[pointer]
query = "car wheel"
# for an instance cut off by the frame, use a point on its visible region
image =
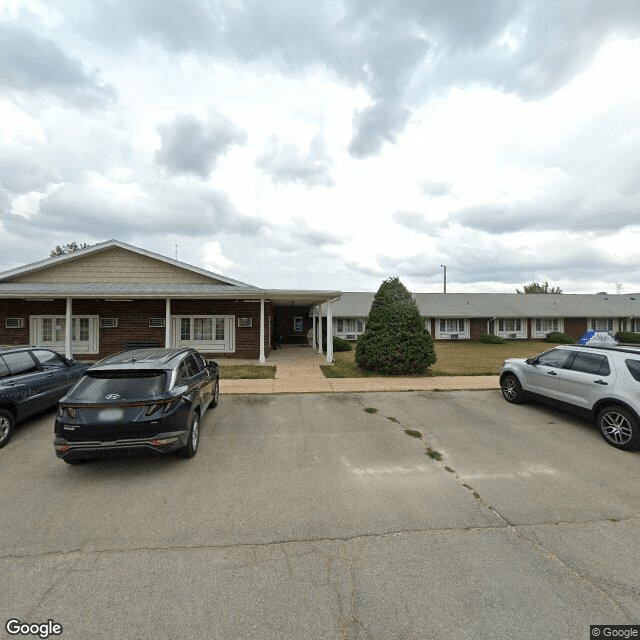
(7, 425)
(190, 449)
(619, 427)
(216, 395)
(512, 389)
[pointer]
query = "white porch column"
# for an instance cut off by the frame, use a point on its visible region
(319, 329)
(67, 330)
(167, 323)
(261, 358)
(313, 344)
(330, 331)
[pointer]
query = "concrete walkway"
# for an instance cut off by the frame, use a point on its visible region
(298, 371)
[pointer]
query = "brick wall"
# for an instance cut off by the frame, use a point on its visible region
(133, 321)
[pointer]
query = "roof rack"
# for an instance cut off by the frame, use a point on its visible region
(614, 347)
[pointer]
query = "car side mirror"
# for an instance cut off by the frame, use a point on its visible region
(531, 360)
(70, 361)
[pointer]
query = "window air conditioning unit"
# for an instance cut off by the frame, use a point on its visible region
(14, 323)
(245, 322)
(108, 323)
(454, 336)
(351, 336)
(156, 322)
(512, 336)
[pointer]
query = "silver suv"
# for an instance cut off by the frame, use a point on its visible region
(601, 383)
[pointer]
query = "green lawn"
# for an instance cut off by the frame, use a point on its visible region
(453, 359)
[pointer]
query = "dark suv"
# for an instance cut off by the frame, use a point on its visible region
(136, 402)
(32, 379)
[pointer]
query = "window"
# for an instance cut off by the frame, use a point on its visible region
(632, 365)
(452, 325)
(207, 333)
(49, 359)
(601, 324)
(297, 324)
(544, 326)
(50, 331)
(556, 358)
(509, 324)
(591, 363)
(350, 327)
(188, 368)
(20, 362)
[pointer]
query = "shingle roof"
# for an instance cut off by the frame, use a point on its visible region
(502, 305)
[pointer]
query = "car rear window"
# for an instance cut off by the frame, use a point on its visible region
(634, 368)
(127, 386)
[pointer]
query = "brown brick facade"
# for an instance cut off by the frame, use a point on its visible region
(133, 321)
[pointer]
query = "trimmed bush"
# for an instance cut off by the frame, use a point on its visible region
(396, 340)
(560, 338)
(628, 337)
(338, 344)
(488, 338)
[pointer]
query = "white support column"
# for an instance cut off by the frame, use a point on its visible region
(330, 331)
(67, 330)
(319, 329)
(313, 344)
(167, 323)
(261, 358)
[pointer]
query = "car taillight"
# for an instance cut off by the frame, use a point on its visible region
(70, 412)
(166, 406)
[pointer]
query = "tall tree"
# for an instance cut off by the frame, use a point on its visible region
(396, 340)
(67, 248)
(536, 287)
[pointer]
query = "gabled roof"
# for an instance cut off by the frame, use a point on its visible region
(47, 263)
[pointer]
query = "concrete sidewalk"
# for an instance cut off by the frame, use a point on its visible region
(298, 371)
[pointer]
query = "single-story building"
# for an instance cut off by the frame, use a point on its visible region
(113, 296)
(466, 316)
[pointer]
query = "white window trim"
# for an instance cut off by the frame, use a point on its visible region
(513, 334)
(86, 346)
(542, 333)
(446, 335)
(609, 321)
(228, 345)
(344, 332)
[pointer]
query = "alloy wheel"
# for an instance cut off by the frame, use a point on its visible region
(616, 427)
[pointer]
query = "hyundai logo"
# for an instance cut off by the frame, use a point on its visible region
(112, 396)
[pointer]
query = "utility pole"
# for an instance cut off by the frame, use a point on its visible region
(444, 266)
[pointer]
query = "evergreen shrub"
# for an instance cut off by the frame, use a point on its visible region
(396, 340)
(338, 344)
(628, 337)
(488, 338)
(560, 338)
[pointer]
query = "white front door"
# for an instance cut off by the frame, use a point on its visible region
(49, 331)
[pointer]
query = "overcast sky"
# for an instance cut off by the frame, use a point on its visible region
(329, 144)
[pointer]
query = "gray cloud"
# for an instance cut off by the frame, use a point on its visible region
(413, 221)
(287, 163)
(401, 52)
(436, 188)
(81, 208)
(37, 65)
(192, 146)
(313, 237)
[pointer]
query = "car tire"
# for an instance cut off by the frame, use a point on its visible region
(7, 425)
(619, 427)
(512, 389)
(193, 439)
(215, 398)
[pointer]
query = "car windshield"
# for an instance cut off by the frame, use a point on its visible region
(121, 385)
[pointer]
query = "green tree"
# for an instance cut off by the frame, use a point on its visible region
(67, 248)
(396, 340)
(536, 287)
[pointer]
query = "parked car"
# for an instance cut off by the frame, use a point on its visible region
(140, 401)
(601, 383)
(32, 379)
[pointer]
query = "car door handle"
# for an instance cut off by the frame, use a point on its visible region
(601, 382)
(552, 373)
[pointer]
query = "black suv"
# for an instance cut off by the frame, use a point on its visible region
(32, 379)
(136, 402)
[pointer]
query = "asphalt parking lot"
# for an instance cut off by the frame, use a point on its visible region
(306, 516)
